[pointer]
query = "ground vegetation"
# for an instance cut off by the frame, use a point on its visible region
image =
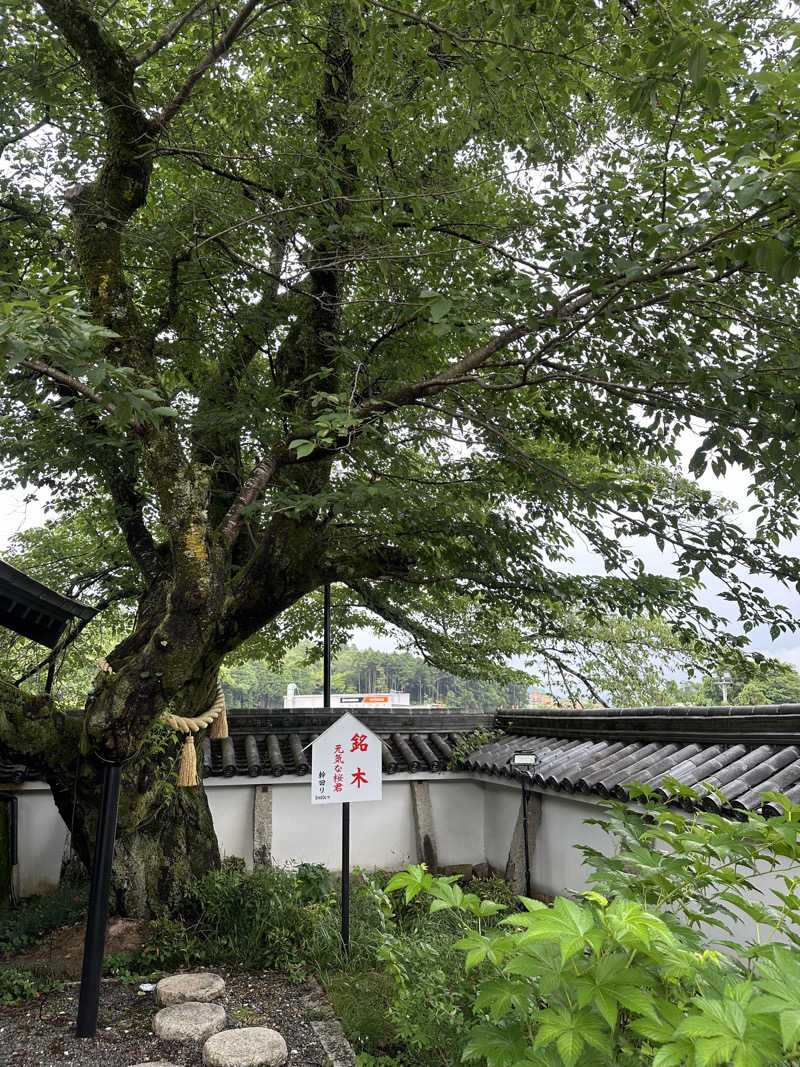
(650, 966)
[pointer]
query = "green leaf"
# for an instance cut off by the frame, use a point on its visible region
(672, 1055)
(302, 447)
(569, 1045)
(790, 1027)
(439, 308)
(698, 60)
(712, 93)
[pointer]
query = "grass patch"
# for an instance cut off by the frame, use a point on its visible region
(36, 916)
(362, 1003)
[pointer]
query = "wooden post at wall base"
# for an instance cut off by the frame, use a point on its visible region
(424, 832)
(525, 840)
(262, 826)
(89, 999)
(515, 867)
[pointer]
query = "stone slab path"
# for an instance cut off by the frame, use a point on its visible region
(41, 1033)
(200, 986)
(252, 1046)
(189, 1021)
(193, 1016)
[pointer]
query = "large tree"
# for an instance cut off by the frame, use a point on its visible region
(401, 297)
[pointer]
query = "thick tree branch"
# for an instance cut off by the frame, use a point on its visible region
(309, 346)
(30, 724)
(462, 371)
(20, 209)
(170, 307)
(425, 637)
(217, 50)
(445, 379)
(260, 477)
(76, 386)
(109, 68)
(199, 158)
(119, 471)
(171, 31)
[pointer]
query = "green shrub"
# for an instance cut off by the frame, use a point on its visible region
(17, 985)
(366, 1059)
(269, 918)
(431, 1006)
(256, 919)
(496, 889)
(362, 1004)
(703, 873)
(629, 976)
(171, 945)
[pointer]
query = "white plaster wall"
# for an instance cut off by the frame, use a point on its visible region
(381, 831)
(557, 865)
(41, 838)
(501, 808)
(473, 820)
(457, 807)
(232, 811)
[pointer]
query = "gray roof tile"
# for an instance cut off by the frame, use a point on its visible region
(276, 743)
(742, 751)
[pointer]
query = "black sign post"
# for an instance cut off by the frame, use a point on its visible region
(326, 689)
(326, 649)
(89, 999)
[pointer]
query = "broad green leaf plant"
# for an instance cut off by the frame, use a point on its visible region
(634, 971)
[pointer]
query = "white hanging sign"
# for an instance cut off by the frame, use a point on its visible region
(346, 763)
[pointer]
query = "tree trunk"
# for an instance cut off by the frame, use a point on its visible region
(165, 834)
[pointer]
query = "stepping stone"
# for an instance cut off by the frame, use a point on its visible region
(190, 1021)
(199, 986)
(251, 1046)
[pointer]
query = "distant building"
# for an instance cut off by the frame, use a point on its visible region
(350, 701)
(538, 699)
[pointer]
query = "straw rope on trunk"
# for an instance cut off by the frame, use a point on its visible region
(216, 717)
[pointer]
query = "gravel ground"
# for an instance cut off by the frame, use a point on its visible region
(41, 1033)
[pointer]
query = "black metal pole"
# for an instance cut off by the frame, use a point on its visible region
(326, 649)
(525, 838)
(94, 943)
(326, 689)
(346, 878)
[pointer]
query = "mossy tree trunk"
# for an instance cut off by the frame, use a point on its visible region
(165, 834)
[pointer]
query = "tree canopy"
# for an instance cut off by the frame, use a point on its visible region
(400, 297)
(771, 683)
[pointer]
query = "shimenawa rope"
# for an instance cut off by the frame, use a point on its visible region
(216, 717)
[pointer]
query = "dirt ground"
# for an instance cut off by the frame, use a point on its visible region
(61, 952)
(41, 1032)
